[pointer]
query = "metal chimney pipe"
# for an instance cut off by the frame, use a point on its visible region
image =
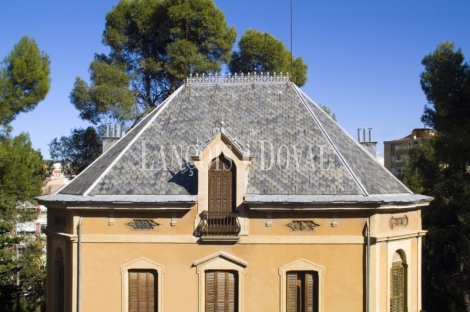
(363, 134)
(108, 126)
(370, 134)
(119, 132)
(359, 134)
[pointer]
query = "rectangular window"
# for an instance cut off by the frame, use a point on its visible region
(142, 291)
(302, 291)
(221, 291)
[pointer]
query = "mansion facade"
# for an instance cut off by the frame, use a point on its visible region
(235, 194)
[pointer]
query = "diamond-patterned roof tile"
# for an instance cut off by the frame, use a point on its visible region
(297, 148)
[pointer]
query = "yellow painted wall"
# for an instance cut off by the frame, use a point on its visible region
(339, 249)
(102, 273)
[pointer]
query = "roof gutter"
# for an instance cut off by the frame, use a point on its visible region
(367, 266)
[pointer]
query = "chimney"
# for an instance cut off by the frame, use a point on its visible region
(368, 145)
(113, 134)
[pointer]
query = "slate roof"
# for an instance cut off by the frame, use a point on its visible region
(312, 154)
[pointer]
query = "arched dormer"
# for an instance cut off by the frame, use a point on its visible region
(221, 160)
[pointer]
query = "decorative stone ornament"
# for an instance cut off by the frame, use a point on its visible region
(140, 224)
(401, 221)
(334, 219)
(111, 218)
(239, 78)
(302, 225)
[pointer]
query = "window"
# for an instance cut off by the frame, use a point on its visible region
(220, 219)
(142, 291)
(398, 284)
(221, 278)
(59, 279)
(142, 281)
(221, 291)
(302, 291)
(301, 287)
(221, 185)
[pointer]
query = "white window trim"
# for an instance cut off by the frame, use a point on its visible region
(403, 259)
(223, 262)
(139, 264)
(300, 265)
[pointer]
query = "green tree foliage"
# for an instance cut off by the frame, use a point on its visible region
(77, 151)
(440, 168)
(154, 45)
(261, 52)
(24, 80)
(21, 178)
(327, 110)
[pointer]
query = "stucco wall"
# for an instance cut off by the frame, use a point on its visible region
(343, 288)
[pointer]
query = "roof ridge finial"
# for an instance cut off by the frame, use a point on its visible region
(222, 124)
(249, 77)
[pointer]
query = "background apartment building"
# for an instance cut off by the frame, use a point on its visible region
(396, 151)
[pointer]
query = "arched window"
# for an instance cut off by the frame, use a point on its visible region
(221, 217)
(398, 284)
(59, 281)
(222, 185)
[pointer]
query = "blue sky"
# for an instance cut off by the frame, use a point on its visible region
(364, 56)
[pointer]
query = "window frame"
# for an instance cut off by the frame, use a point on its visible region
(301, 280)
(215, 172)
(220, 262)
(226, 292)
(301, 265)
(148, 294)
(141, 264)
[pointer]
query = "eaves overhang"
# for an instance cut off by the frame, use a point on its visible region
(335, 202)
(123, 202)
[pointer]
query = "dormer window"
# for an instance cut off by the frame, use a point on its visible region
(221, 218)
(222, 184)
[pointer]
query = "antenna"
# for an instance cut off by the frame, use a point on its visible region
(186, 52)
(291, 47)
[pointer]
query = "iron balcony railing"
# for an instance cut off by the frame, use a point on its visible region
(216, 223)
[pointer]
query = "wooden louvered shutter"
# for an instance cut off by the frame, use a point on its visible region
(142, 291)
(220, 291)
(302, 291)
(309, 292)
(292, 292)
(221, 191)
(210, 292)
(397, 289)
(230, 292)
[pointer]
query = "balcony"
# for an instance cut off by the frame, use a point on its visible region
(218, 226)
